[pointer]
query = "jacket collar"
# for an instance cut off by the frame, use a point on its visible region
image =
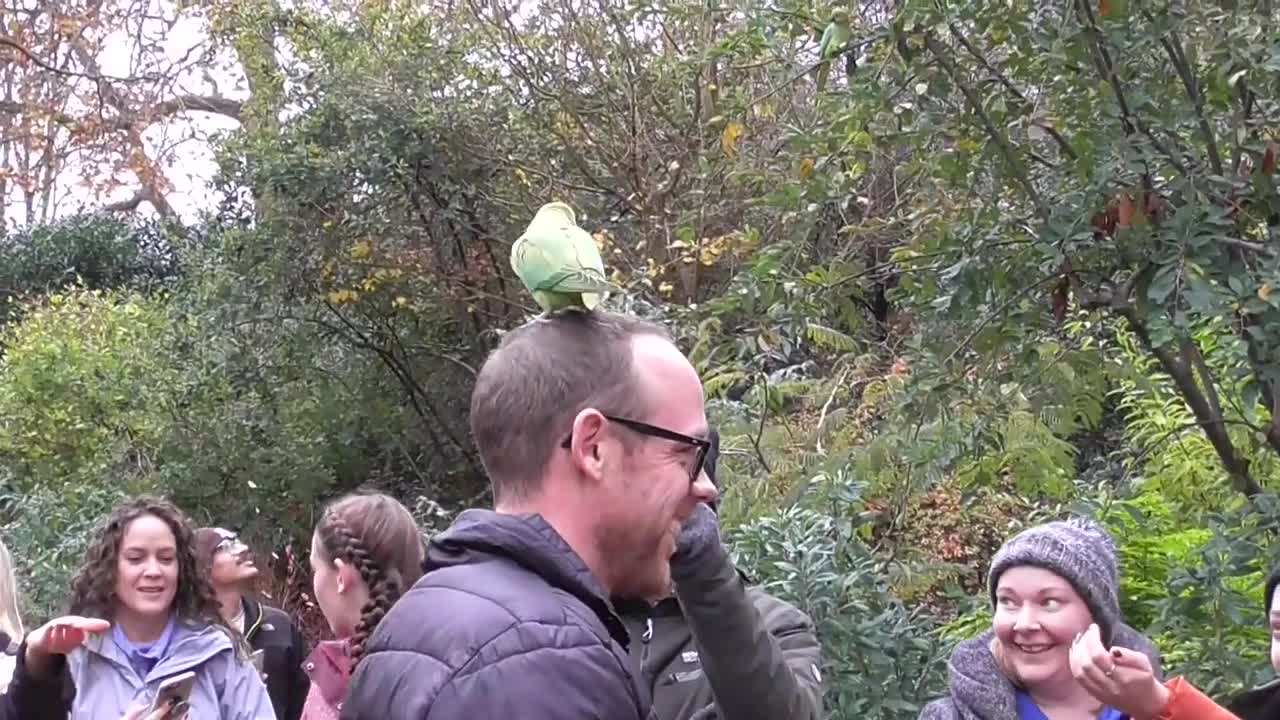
(329, 668)
(529, 541)
(252, 616)
(191, 646)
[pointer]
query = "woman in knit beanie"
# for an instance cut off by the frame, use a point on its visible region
(1047, 585)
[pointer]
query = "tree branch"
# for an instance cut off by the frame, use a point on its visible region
(1173, 48)
(1131, 122)
(128, 205)
(1063, 144)
(1237, 467)
(94, 76)
(1015, 164)
(199, 103)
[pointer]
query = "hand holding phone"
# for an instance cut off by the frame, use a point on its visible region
(168, 710)
(173, 691)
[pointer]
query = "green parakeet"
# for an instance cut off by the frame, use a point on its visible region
(834, 38)
(559, 262)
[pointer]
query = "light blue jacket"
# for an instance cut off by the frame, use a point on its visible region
(227, 687)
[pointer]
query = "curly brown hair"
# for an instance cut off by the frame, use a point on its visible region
(379, 538)
(93, 589)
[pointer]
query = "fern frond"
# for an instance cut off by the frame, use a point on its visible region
(830, 338)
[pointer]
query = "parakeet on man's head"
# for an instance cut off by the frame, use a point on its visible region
(559, 262)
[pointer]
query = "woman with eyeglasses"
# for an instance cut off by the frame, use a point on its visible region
(229, 565)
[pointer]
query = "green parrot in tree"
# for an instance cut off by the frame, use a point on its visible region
(559, 262)
(834, 38)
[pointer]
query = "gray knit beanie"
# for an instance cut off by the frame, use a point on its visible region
(1079, 551)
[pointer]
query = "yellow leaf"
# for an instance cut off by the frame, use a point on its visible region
(1264, 292)
(806, 168)
(729, 137)
(361, 250)
(666, 288)
(401, 301)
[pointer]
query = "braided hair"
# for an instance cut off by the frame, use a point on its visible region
(378, 537)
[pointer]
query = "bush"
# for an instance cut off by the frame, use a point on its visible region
(882, 660)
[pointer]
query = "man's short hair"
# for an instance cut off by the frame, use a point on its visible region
(537, 381)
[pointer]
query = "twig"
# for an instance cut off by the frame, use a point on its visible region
(822, 416)
(96, 77)
(1246, 245)
(964, 42)
(1131, 122)
(1173, 48)
(764, 413)
(1011, 159)
(849, 47)
(991, 316)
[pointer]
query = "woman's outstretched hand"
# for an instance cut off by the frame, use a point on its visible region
(1119, 677)
(59, 636)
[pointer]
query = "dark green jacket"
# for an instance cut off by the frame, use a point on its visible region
(725, 651)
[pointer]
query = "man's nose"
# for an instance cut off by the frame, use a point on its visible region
(704, 490)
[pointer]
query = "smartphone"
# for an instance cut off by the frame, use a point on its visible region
(177, 687)
(256, 659)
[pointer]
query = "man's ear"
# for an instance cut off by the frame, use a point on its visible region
(587, 445)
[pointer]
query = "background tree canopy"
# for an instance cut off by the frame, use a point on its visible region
(1017, 260)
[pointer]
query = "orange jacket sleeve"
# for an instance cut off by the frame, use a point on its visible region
(1188, 703)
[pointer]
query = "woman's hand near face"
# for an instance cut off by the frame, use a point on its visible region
(1119, 677)
(59, 636)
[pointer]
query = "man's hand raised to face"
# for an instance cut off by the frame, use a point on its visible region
(702, 528)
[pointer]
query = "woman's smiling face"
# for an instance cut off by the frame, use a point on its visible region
(1037, 617)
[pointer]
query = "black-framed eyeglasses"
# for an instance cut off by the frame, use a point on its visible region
(654, 431)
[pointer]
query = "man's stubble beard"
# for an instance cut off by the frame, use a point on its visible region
(632, 563)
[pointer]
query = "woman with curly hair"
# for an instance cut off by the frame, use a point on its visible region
(140, 574)
(365, 553)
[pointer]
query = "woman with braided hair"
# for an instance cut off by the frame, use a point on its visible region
(365, 553)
